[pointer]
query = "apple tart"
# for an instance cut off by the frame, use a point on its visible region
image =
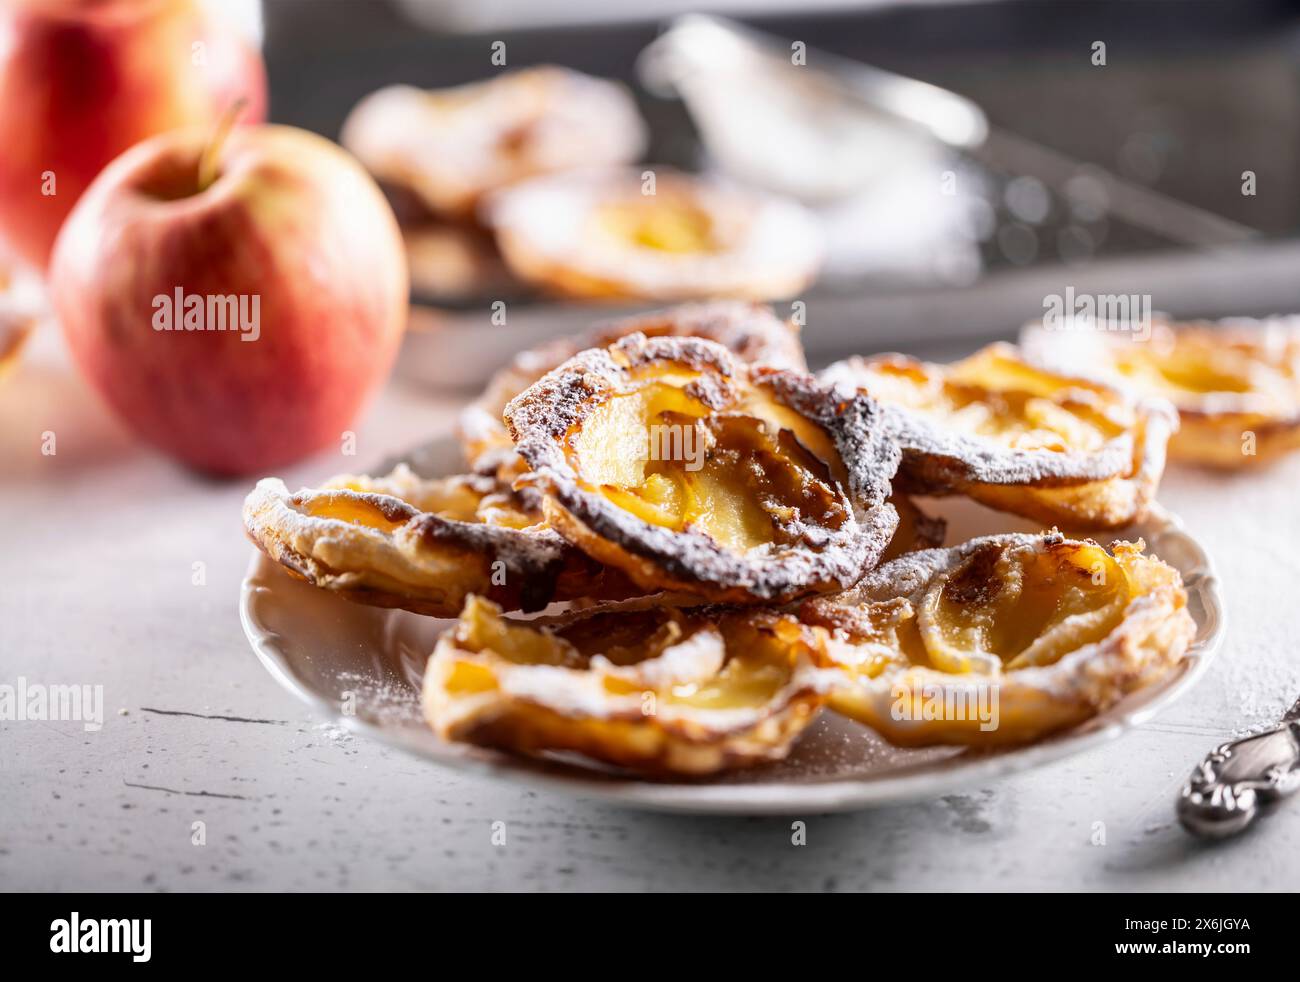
(1003, 639)
(750, 331)
(639, 685)
(421, 544)
(451, 146)
(1019, 438)
(603, 235)
(1235, 384)
(670, 459)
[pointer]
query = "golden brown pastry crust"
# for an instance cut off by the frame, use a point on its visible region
(639, 685)
(815, 500)
(452, 146)
(1108, 504)
(1235, 384)
(597, 235)
(1061, 449)
(423, 545)
(750, 330)
(1046, 631)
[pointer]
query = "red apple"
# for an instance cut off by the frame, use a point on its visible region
(83, 80)
(237, 324)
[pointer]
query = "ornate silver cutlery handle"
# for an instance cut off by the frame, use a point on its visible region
(1229, 788)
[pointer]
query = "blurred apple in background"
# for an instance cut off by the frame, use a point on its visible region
(83, 80)
(234, 297)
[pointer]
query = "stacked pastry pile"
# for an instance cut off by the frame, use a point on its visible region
(722, 544)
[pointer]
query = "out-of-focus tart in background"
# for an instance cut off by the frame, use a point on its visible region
(1235, 383)
(439, 152)
(654, 235)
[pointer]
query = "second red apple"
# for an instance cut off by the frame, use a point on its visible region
(235, 307)
(83, 80)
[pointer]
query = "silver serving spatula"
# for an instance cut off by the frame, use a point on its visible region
(1228, 789)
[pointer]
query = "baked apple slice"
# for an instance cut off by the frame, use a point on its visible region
(423, 545)
(670, 459)
(1003, 639)
(750, 330)
(1057, 448)
(640, 685)
(1235, 384)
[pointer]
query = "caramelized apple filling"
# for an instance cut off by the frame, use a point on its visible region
(680, 659)
(1054, 629)
(1184, 371)
(742, 480)
(598, 235)
(465, 498)
(1005, 609)
(749, 330)
(671, 226)
(1053, 447)
(1000, 610)
(995, 395)
(354, 511)
(1187, 366)
(671, 460)
(641, 685)
(1235, 384)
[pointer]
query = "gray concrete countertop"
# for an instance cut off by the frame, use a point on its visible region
(98, 546)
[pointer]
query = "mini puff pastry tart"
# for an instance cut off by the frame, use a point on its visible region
(750, 330)
(424, 545)
(451, 146)
(1019, 438)
(639, 685)
(1235, 384)
(670, 459)
(1003, 639)
(602, 235)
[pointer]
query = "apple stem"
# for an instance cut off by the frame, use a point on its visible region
(208, 159)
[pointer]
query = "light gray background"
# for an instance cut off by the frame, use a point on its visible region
(97, 546)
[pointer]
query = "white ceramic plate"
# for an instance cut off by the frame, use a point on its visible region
(361, 666)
